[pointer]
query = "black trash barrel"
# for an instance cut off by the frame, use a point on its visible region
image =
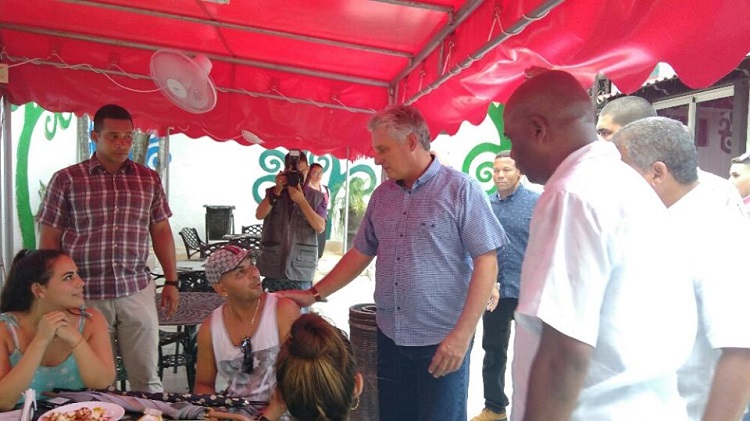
(219, 221)
(363, 333)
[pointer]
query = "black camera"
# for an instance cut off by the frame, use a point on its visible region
(293, 176)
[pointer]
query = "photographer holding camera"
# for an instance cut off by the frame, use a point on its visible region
(293, 214)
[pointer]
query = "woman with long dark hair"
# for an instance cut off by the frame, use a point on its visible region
(50, 339)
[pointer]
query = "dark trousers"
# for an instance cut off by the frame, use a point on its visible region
(495, 344)
(407, 391)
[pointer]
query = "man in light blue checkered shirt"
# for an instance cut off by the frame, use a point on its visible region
(436, 238)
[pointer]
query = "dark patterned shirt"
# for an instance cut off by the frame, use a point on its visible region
(105, 220)
(514, 213)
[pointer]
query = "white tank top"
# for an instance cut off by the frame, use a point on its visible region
(258, 385)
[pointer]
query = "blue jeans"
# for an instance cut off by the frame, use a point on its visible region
(407, 391)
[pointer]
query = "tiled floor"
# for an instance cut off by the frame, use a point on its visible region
(337, 311)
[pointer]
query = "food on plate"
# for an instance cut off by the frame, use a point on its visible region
(80, 414)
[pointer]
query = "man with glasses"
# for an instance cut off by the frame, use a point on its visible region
(240, 340)
(293, 215)
(102, 212)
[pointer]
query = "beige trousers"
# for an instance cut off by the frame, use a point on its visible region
(134, 323)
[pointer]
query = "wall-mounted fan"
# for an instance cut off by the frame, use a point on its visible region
(184, 81)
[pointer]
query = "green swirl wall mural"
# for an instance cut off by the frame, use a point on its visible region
(485, 152)
(32, 115)
(272, 161)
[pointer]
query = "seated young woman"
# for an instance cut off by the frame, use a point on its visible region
(49, 339)
(316, 374)
(239, 341)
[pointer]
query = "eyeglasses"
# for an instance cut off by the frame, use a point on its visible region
(246, 347)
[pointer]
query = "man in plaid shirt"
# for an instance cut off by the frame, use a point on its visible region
(101, 212)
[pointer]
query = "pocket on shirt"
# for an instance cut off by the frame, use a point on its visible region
(306, 256)
(439, 227)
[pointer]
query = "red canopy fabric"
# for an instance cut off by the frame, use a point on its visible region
(309, 73)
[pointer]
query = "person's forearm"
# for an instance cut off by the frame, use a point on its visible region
(50, 237)
(483, 279)
(19, 377)
(265, 205)
(556, 376)
(730, 389)
(163, 244)
(317, 222)
(264, 208)
(348, 268)
(95, 373)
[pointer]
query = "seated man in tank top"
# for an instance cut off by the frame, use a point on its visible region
(240, 340)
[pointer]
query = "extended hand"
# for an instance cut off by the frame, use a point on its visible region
(302, 298)
(449, 356)
(494, 299)
(170, 300)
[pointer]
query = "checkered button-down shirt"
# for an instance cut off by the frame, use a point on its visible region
(425, 239)
(105, 220)
(514, 213)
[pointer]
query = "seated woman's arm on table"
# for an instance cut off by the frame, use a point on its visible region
(94, 351)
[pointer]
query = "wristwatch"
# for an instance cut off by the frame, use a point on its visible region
(316, 294)
(272, 198)
(173, 283)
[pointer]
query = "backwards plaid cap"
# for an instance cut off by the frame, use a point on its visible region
(223, 260)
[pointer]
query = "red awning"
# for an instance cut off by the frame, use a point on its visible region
(309, 73)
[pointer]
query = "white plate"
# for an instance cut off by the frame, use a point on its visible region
(113, 411)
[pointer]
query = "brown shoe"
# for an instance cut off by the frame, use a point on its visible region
(490, 415)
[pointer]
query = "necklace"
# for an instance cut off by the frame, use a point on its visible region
(255, 313)
(246, 346)
(237, 316)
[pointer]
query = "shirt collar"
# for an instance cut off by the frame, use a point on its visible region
(593, 150)
(520, 186)
(95, 165)
(427, 175)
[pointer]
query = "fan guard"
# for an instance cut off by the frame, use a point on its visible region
(185, 81)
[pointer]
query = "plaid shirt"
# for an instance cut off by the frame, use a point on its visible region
(105, 220)
(425, 239)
